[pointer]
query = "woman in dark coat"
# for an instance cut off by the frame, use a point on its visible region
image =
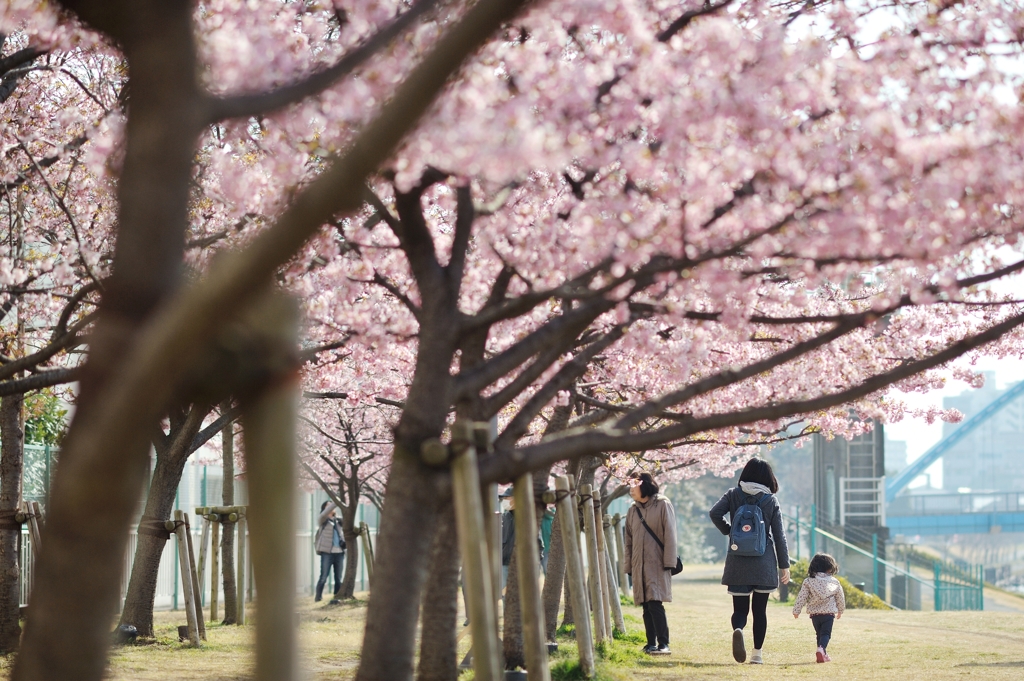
(753, 576)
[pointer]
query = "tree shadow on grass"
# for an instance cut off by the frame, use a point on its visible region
(1019, 663)
(684, 663)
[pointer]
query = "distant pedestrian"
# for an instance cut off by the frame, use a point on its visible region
(758, 557)
(649, 555)
(823, 595)
(330, 546)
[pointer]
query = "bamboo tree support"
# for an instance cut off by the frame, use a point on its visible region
(364, 539)
(214, 568)
(602, 564)
(196, 593)
(268, 430)
(528, 563)
(477, 572)
(180, 530)
(620, 553)
(240, 569)
(204, 541)
(492, 518)
(574, 572)
(33, 526)
(594, 564)
(613, 586)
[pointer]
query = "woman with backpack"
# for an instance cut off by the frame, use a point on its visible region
(649, 555)
(758, 557)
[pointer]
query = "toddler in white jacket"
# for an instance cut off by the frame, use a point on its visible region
(823, 595)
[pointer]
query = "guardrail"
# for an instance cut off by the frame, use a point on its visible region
(962, 589)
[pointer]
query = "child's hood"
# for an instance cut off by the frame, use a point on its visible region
(823, 586)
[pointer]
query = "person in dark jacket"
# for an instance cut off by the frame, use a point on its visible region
(753, 577)
(649, 562)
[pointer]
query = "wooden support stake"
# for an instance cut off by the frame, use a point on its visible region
(620, 553)
(240, 569)
(364, 539)
(214, 568)
(181, 532)
(33, 526)
(269, 434)
(602, 564)
(594, 564)
(492, 518)
(574, 570)
(613, 586)
(196, 593)
(477, 572)
(528, 562)
(204, 541)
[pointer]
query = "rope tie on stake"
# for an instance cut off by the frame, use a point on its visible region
(161, 529)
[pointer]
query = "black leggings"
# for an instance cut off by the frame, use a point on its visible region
(740, 607)
(655, 623)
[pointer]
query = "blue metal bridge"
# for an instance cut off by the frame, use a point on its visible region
(943, 514)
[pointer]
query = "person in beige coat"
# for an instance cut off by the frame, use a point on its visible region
(648, 563)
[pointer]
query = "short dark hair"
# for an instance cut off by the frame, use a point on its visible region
(760, 471)
(648, 488)
(822, 563)
(323, 506)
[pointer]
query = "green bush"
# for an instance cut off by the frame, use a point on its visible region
(855, 598)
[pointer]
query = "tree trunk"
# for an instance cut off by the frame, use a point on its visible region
(438, 646)
(552, 593)
(568, 617)
(406, 531)
(348, 530)
(170, 463)
(11, 453)
(512, 626)
(227, 560)
(138, 602)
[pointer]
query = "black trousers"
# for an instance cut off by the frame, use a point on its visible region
(740, 608)
(823, 628)
(655, 623)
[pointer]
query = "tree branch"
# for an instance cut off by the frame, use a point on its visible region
(594, 441)
(38, 381)
(243, 106)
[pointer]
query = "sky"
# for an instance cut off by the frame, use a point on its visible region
(919, 435)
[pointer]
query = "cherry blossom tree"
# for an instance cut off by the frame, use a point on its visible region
(812, 210)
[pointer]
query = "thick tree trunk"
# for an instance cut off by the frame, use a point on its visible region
(227, 560)
(553, 579)
(438, 645)
(406, 531)
(348, 530)
(138, 602)
(11, 454)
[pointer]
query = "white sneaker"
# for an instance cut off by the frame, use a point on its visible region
(755, 657)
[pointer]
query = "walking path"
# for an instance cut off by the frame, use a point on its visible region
(866, 644)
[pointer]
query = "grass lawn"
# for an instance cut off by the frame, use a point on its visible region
(866, 644)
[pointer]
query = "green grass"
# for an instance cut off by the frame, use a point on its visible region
(868, 645)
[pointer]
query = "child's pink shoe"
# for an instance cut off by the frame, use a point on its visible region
(827, 658)
(820, 655)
